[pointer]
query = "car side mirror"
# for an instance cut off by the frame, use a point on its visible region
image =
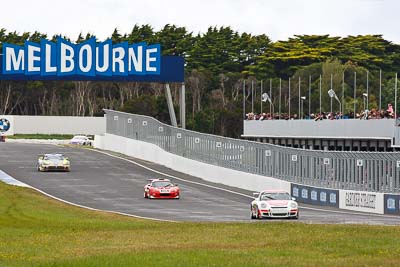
(256, 195)
(67, 158)
(293, 198)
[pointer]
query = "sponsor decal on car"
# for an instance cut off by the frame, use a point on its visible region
(164, 191)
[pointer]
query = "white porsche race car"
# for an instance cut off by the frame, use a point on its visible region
(274, 204)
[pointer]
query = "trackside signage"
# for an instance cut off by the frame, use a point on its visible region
(392, 204)
(361, 201)
(315, 195)
(88, 61)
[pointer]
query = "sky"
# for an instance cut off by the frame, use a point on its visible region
(279, 19)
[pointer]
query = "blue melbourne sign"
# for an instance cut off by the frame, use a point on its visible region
(90, 60)
(4, 125)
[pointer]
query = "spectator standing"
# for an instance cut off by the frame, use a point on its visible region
(390, 110)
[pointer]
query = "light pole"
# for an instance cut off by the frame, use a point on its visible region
(264, 98)
(302, 105)
(332, 94)
(331, 90)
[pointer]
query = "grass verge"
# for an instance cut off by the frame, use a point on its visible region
(37, 231)
(41, 136)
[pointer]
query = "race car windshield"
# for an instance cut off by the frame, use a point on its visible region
(275, 196)
(161, 184)
(53, 157)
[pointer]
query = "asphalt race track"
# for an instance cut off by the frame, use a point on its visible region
(111, 183)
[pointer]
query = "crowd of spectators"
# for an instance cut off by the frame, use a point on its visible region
(363, 115)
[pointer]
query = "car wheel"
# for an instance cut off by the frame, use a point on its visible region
(145, 195)
(258, 214)
(252, 216)
(297, 216)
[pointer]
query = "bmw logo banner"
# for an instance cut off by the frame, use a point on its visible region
(4, 125)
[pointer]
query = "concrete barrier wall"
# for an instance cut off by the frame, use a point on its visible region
(55, 125)
(153, 153)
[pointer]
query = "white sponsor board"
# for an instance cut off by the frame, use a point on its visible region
(21, 124)
(361, 201)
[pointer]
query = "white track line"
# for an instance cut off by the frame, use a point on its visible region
(4, 177)
(234, 192)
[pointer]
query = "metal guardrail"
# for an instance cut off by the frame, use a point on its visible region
(364, 171)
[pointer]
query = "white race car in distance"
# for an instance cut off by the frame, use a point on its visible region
(81, 140)
(53, 162)
(274, 204)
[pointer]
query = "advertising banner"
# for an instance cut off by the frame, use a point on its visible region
(315, 195)
(361, 201)
(392, 204)
(63, 60)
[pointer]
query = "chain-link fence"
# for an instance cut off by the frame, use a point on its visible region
(366, 171)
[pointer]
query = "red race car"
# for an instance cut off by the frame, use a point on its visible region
(161, 188)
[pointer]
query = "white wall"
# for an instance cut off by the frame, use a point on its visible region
(153, 153)
(55, 125)
(347, 129)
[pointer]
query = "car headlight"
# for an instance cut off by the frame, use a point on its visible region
(293, 205)
(263, 205)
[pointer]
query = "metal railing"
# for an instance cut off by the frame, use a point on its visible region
(365, 171)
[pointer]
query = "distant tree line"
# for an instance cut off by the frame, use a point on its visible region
(217, 64)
